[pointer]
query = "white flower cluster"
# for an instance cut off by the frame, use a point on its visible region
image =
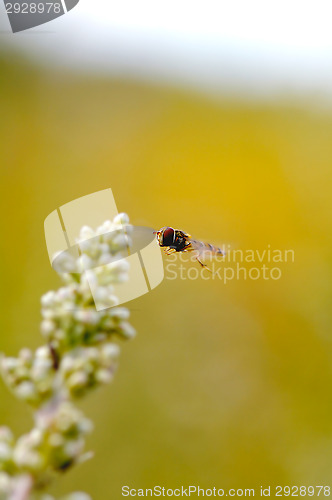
(69, 315)
(79, 356)
(31, 375)
(85, 368)
(54, 444)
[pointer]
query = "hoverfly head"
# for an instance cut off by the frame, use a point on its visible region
(165, 236)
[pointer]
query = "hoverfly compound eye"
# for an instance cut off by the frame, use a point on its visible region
(168, 237)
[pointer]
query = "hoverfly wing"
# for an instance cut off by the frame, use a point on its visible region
(206, 249)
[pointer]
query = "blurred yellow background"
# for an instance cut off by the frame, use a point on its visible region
(224, 385)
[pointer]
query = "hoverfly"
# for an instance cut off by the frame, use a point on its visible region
(175, 240)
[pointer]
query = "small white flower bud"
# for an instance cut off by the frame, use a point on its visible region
(90, 278)
(47, 327)
(5, 452)
(104, 248)
(101, 294)
(48, 313)
(121, 278)
(86, 233)
(67, 364)
(121, 218)
(25, 355)
(84, 262)
(121, 241)
(9, 364)
(65, 421)
(103, 376)
(43, 352)
(108, 225)
(60, 335)
(77, 380)
(110, 351)
(104, 259)
(88, 317)
(56, 440)
(65, 293)
(40, 368)
(120, 266)
(85, 426)
(6, 435)
(26, 390)
(85, 246)
(74, 448)
(108, 236)
(35, 437)
(127, 330)
(48, 299)
(64, 262)
(112, 300)
(119, 312)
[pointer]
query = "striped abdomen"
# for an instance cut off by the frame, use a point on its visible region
(202, 247)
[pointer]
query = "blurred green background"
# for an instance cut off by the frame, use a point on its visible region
(226, 386)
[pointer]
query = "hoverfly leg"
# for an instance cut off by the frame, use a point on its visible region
(204, 265)
(169, 251)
